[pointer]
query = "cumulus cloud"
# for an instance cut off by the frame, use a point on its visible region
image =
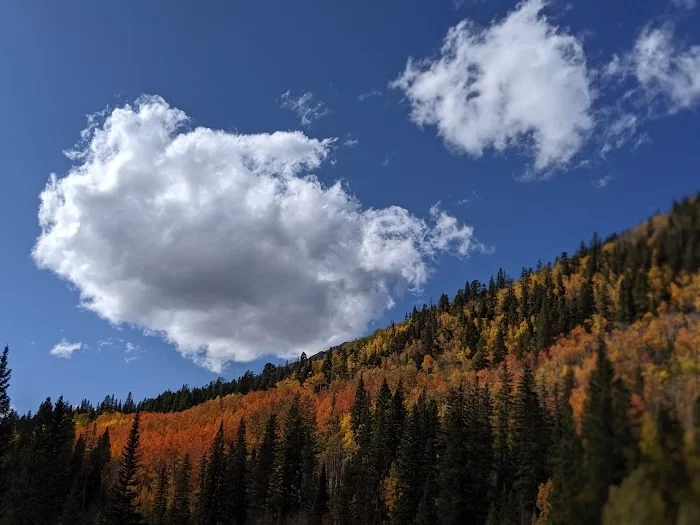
(522, 83)
(667, 74)
(306, 108)
(65, 349)
(225, 243)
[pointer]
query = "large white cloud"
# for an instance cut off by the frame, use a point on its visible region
(520, 83)
(223, 242)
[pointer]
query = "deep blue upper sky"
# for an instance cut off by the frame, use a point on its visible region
(227, 65)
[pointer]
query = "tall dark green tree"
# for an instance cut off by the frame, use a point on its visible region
(293, 478)
(213, 500)
(263, 469)
(567, 464)
(529, 450)
(6, 421)
(180, 513)
(124, 509)
(321, 498)
(504, 467)
(160, 501)
(238, 476)
(604, 429)
(454, 476)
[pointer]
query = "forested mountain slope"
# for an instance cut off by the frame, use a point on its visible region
(568, 395)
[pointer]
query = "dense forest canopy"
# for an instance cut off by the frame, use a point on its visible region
(568, 395)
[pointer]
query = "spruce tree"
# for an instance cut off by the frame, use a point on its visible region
(528, 449)
(454, 475)
(320, 508)
(567, 466)
(180, 509)
(361, 418)
(263, 469)
(499, 347)
(604, 460)
(6, 421)
(503, 460)
(213, 496)
(381, 453)
(238, 477)
(124, 508)
(160, 501)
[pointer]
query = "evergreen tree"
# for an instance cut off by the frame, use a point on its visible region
(212, 499)
(292, 471)
(160, 501)
(238, 477)
(124, 509)
(605, 462)
(320, 508)
(381, 453)
(361, 418)
(499, 347)
(263, 469)
(504, 467)
(6, 421)
(454, 475)
(180, 509)
(529, 451)
(567, 481)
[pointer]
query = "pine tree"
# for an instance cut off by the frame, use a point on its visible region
(567, 466)
(292, 475)
(504, 467)
(129, 405)
(124, 509)
(238, 477)
(398, 416)
(454, 475)
(499, 347)
(160, 501)
(528, 449)
(100, 455)
(361, 418)
(320, 508)
(263, 469)
(381, 453)
(180, 509)
(6, 421)
(604, 460)
(213, 499)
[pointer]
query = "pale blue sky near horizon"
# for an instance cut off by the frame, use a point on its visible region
(228, 65)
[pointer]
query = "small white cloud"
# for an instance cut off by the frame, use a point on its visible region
(602, 182)
(65, 349)
(306, 108)
(350, 141)
(132, 352)
(520, 84)
(466, 200)
(369, 94)
(387, 159)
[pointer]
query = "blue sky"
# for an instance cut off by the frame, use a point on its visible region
(535, 125)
